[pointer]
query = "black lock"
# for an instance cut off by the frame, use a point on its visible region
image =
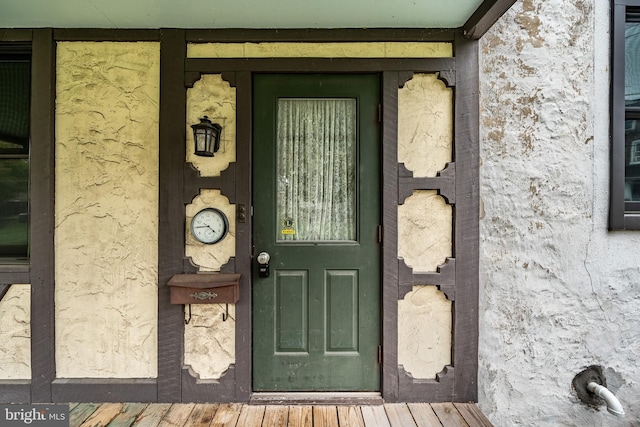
(263, 264)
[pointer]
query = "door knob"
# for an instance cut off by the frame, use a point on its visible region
(263, 264)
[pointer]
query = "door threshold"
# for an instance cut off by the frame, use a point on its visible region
(316, 398)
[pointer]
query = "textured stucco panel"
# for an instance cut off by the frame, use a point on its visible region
(424, 332)
(106, 209)
(558, 292)
(213, 97)
(321, 50)
(425, 231)
(15, 333)
(425, 125)
(209, 342)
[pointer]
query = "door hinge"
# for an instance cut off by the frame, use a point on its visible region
(380, 355)
(380, 234)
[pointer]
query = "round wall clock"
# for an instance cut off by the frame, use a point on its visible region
(209, 226)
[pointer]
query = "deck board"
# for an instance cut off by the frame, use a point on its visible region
(251, 416)
(202, 415)
(423, 415)
(300, 416)
(152, 415)
(473, 414)
(103, 415)
(285, 415)
(176, 415)
(399, 415)
(375, 416)
(128, 415)
(447, 413)
(350, 416)
(227, 415)
(80, 412)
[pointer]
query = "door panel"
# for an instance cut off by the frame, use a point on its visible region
(316, 318)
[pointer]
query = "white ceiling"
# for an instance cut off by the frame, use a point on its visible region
(236, 13)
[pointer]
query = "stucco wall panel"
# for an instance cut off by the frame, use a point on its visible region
(424, 332)
(425, 125)
(424, 231)
(213, 97)
(558, 292)
(106, 209)
(15, 333)
(321, 50)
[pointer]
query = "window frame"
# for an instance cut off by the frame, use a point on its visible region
(623, 215)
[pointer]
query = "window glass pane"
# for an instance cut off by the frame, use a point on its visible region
(316, 169)
(14, 207)
(14, 106)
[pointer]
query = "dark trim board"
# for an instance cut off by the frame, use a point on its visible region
(15, 391)
(105, 390)
(42, 170)
(171, 213)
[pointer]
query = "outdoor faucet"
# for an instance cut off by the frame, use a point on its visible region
(613, 404)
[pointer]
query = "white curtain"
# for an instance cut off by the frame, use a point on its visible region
(316, 169)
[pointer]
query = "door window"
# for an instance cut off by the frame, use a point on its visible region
(316, 165)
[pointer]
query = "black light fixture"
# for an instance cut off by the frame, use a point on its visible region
(206, 136)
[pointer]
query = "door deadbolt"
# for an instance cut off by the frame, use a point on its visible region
(263, 264)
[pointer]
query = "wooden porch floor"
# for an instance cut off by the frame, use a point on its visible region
(239, 415)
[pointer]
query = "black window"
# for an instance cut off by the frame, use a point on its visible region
(15, 81)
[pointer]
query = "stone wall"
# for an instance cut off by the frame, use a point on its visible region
(558, 292)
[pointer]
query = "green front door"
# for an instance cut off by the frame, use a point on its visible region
(316, 187)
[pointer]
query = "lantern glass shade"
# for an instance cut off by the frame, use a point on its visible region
(206, 137)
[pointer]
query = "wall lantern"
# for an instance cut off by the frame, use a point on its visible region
(206, 136)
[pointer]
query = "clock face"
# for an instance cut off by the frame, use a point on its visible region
(209, 226)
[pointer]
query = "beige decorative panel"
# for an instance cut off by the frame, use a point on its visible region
(424, 332)
(215, 98)
(425, 231)
(15, 333)
(425, 125)
(210, 257)
(209, 342)
(321, 50)
(106, 209)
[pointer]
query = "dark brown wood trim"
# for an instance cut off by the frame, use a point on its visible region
(319, 65)
(201, 391)
(15, 391)
(484, 17)
(3, 290)
(106, 34)
(42, 170)
(244, 234)
(12, 275)
(321, 35)
(194, 182)
(439, 389)
(466, 221)
(444, 182)
(444, 278)
(171, 213)
(16, 35)
(390, 84)
(104, 390)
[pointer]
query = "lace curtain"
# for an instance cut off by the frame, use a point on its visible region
(316, 169)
